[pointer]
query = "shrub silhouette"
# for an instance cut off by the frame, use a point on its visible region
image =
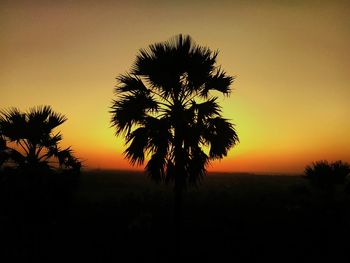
(165, 111)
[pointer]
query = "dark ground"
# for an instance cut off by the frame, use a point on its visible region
(108, 216)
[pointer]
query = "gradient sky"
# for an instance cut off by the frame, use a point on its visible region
(290, 101)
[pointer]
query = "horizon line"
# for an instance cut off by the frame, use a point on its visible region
(208, 172)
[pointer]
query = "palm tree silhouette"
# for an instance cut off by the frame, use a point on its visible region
(165, 111)
(27, 140)
(326, 175)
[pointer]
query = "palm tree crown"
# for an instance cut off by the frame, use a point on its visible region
(165, 110)
(27, 139)
(325, 174)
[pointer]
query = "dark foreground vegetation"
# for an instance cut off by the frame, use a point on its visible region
(112, 215)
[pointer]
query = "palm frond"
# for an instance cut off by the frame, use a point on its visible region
(55, 119)
(162, 64)
(159, 134)
(138, 141)
(53, 151)
(318, 169)
(67, 159)
(221, 136)
(51, 140)
(218, 81)
(131, 109)
(207, 109)
(13, 124)
(340, 170)
(153, 136)
(197, 166)
(201, 63)
(12, 114)
(128, 83)
(44, 119)
(39, 114)
(159, 142)
(155, 167)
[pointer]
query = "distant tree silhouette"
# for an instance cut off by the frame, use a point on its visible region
(28, 142)
(325, 175)
(165, 110)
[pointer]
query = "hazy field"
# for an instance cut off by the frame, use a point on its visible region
(237, 216)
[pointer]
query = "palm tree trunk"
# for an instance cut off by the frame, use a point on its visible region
(178, 221)
(178, 218)
(178, 188)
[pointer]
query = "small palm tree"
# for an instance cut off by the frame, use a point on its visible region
(27, 140)
(166, 112)
(326, 175)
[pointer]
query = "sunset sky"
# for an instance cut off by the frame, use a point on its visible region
(290, 101)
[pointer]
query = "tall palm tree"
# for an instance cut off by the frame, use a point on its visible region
(27, 139)
(166, 112)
